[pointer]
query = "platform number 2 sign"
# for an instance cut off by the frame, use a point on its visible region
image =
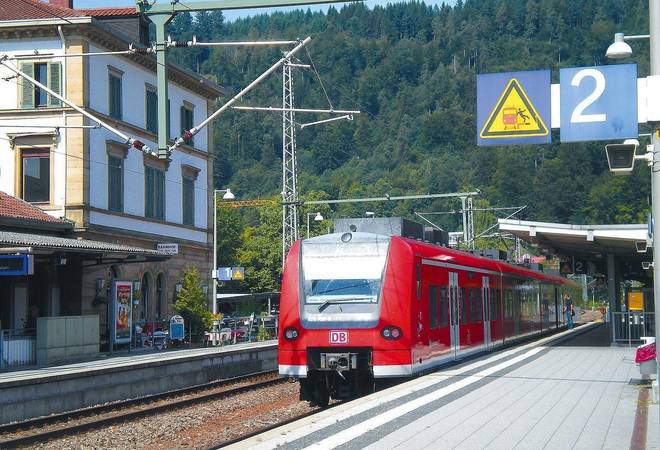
(598, 103)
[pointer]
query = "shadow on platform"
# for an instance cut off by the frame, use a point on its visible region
(596, 337)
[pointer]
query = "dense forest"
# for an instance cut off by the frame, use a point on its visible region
(411, 69)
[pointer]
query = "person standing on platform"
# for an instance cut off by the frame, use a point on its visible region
(568, 310)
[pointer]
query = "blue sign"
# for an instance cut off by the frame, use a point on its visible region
(231, 273)
(12, 265)
(598, 103)
(513, 108)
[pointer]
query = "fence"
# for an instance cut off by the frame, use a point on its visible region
(632, 326)
(17, 348)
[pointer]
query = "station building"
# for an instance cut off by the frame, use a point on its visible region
(97, 190)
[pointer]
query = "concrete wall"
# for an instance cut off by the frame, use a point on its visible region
(67, 390)
(67, 339)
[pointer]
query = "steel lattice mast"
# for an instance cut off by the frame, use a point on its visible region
(289, 165)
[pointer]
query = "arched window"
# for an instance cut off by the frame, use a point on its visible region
(160, 296)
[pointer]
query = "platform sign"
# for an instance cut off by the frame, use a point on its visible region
(122, 311)
(598, 103)
(231, 273)
(513, 108)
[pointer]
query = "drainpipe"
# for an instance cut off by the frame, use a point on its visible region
(63, 136)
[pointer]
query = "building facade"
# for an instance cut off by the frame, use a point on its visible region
(54, 157)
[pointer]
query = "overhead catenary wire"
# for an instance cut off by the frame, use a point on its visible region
(36, 55)
(195, 43)
(188, 135)
(127, 140)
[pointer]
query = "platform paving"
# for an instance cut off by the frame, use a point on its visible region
(573, 395)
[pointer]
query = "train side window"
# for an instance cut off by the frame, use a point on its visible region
(479, 307)
(433, 307)
(495, 304)
(443, 306)
(463, 306)
(473, 308)
(418, 275)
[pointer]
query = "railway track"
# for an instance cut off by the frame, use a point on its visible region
(47, 428)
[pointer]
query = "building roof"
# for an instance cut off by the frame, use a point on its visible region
(109, 12)
(34, 9)
(37, 241)
(21, 213)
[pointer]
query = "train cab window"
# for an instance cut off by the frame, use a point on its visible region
(443, 307)
(433, 307)
(463, 306)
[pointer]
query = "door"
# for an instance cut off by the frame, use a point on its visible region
(454, 314)
(485, 296)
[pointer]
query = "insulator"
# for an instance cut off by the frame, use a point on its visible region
(141, 51)
(138, 144)
(187, 136)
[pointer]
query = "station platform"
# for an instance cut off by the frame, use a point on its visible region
(33, 393)
(569, 390)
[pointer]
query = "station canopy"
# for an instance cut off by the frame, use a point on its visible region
(587, 246)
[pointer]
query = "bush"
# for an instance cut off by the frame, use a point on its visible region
(191, 304)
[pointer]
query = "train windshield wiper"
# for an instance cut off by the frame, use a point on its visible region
(327, 303)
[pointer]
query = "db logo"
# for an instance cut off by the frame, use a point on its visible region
(338, 337)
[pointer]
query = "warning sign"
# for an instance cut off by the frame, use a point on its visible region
(513, 108)
(514, 115)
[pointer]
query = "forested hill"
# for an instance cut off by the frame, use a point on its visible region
(412, 70)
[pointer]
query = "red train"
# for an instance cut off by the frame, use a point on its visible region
(359, 307)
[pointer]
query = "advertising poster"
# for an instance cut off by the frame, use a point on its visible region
(123, 311)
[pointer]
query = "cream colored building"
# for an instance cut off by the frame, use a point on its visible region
(52, 158)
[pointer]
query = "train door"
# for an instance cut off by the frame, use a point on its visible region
(454, 314)
(485, 296)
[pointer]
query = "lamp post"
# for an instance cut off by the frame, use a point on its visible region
(317, 218)
(619, 49)
(228, 195)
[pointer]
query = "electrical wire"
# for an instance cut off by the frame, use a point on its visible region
(319, 78)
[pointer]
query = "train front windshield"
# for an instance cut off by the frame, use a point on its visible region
(343, 271)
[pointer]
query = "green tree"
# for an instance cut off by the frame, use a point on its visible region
(191, 304)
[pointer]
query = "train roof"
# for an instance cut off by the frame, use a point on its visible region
(448, 255)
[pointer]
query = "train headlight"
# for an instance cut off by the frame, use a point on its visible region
(391, 333)
(291, 334)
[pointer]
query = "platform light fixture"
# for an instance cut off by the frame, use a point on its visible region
(317, 218)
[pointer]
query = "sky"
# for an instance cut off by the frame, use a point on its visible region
(231, 15)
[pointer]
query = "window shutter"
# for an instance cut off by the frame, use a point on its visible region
(54, 82)
(27, 88)
(148, 192)
(152, 111)
(160, 194)
(183, 119)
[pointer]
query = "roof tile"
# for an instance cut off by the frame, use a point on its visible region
(15, 208)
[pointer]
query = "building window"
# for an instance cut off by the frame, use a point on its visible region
(187, 117)
(188, 201)
(151, 109)
(115, 183)
(154, 191)
(35, 173)
(114, 94)
(48, 74)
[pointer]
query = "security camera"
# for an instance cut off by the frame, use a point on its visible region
(621, 157)
(646, 265)
(641, 246)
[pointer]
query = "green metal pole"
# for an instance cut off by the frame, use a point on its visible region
(161, 21)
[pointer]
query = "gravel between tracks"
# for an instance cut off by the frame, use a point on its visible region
(199, 426)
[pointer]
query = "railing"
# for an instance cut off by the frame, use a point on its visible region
(18, 348)
(632, 327)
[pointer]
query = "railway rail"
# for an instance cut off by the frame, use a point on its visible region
(56, 426)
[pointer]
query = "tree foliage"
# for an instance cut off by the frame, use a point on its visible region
(191, 303)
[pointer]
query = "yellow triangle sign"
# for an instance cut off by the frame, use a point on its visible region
(237, 275)
(514, 115)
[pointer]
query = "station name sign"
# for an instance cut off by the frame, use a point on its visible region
(13, 265)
